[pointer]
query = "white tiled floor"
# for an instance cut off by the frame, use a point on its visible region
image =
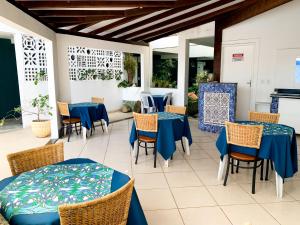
(188, 192)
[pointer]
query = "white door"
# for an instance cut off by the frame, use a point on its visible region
(238, 67)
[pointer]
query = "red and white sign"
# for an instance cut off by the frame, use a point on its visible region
(237, 57)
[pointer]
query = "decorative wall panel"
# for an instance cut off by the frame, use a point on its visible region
(35, 58)
(94, 64)
(217, 104)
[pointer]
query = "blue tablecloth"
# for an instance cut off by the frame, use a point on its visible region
(159, 102)
(88, 112)
(135, 217)
(278, 144)
(171, 128)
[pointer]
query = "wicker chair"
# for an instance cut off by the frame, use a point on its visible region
(178, 110)
(66, 120)
(3, 220)
(34, 158)
(111, 209)
(266, 118)
(245, 136)
(97, 100)
(146, 123)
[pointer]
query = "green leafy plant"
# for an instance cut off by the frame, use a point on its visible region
(130, 65)
(163, 78)
(124, 84)
(39, 103)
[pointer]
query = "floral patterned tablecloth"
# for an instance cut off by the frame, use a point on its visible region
(44, 189)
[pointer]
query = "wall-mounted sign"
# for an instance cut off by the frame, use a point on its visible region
(297, 75)
(237, 57)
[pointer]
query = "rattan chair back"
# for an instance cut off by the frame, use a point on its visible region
(34, 158)
(264, 117)
(244, 135)
(146, 122)
(63, 108)
(97, 100)
(176, 109)
(3, 221)
(111, 209)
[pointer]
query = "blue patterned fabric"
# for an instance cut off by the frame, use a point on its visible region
(88, 112)
(278, 144)
(217, 103)
(135, 217)
(274, 105)
(171, 128)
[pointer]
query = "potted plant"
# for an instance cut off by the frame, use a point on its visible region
(130, 65)
(40, 127)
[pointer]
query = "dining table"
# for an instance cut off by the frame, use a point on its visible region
(33, 197)
(278, 144)
(88, 112)
(171, 128)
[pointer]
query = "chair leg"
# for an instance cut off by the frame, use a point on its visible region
(267, 171)
(137, 153)
(62, 131)
(80, 127)
(262, 170)
(272, 168)
(155, 155)
(232, 164)
(102, 126)
(146, 150)
(69, 129)
(182, 145)
(254, 177)
(76, 128)
(227, 171)
(172, 157)
(237, 166)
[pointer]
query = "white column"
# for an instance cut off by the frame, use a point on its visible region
(51, 89)
(183, 71)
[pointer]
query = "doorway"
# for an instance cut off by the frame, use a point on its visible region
(9, 86)
(238, 67)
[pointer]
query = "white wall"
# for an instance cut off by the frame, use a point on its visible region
(276, 34)
(78, 91)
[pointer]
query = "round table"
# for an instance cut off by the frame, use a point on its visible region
(33, 197)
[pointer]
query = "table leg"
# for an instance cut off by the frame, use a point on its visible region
(166, 163)
(105, 126)
(279, 185)
(187, 146)
(84, 130)
(222, 165)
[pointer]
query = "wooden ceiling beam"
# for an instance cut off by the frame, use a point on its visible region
(177, 19)
(68, 32)
(33, 4)
(82, 26)
(81, 13)
(190, 23)
(114, 24)
(77, 19)
(170, 12)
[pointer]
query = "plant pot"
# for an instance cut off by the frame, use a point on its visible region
(41, 128)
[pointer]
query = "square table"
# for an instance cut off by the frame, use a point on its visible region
(171, 128)
(33, 197)
(278, 144)
(89, 112)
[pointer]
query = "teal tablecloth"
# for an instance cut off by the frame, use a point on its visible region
(278, 144)
(88, 112)
(32, 198)
(171, 128)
